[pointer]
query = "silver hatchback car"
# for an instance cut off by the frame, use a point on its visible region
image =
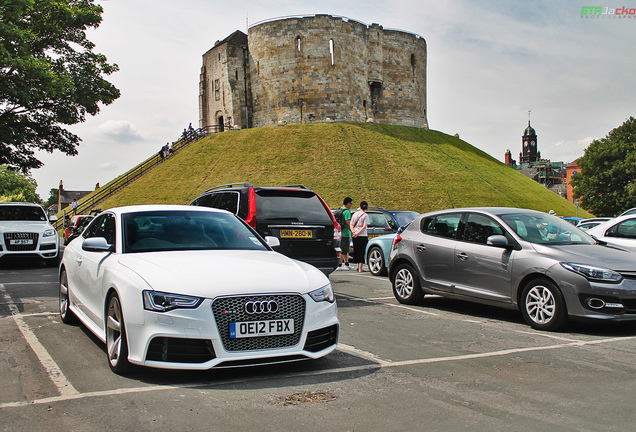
(517, 259)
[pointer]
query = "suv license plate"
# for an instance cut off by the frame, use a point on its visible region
(295, 233)
(21, 242)
(261, 328)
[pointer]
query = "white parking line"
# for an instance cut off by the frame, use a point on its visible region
(64, 387)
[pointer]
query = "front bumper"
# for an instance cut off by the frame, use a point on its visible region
(196, 339)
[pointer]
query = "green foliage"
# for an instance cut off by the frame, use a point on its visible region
(388, 166)
(53, 197)
(49, 76)
(606, 183)
(17, 187)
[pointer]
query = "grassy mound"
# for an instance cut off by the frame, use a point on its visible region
(388, 166)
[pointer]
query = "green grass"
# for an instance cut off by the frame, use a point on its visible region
(387, 166)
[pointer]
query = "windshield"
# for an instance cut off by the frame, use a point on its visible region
(22, 213)
(545, 229)
(186, 230)
(404, 217)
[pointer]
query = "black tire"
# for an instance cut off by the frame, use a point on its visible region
(543, 306)
(375, 261)
(66, 314)
(406, 285)
(116, 342)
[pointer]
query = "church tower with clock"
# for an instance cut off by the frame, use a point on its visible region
(529, 153)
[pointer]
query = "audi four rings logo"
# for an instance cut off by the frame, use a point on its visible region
(261, 307)
(21, 235)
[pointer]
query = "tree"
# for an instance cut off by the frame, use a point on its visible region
(15, 186)
(606, 183)
(53, 197)
(49, 77)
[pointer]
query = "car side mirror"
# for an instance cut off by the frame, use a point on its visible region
(272, 241)
(97, 244)
(52, 218)
(498, 241)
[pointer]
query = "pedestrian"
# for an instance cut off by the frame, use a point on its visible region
(359, 224)
(170, 149)
(74, 204)
(345, 235)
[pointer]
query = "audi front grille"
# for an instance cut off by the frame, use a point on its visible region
(232, 309)
(21, 236)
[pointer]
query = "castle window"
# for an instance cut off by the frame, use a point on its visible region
(217, 89)
(413, 63)
(331, 52)
(299, 44)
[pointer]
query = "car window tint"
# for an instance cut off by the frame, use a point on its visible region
(22, 213)
(625, 229)
(377, 220)
(102, 226)
(389, 221)
(291, 206)
(153, 231)
(441, 225)
(479, 227)
(228, 201)
(206, 200)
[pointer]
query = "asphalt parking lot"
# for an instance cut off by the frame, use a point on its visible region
(442, 365)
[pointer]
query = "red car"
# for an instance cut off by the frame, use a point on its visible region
(78, 223)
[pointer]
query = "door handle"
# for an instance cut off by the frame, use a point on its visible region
(420, 247)
(462, 256)
(79, 261)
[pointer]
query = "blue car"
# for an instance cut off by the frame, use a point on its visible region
(377, 253)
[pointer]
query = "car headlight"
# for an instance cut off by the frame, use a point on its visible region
(48, 233)
(593, 273)
(323, 294)
(162, 302)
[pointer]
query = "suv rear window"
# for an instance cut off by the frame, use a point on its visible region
(305, 206)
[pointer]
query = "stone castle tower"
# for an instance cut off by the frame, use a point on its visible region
(314, 69)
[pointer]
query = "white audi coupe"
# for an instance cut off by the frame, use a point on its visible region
(184, 287)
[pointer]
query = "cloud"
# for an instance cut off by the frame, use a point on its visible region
(117, 131)
(108, 166)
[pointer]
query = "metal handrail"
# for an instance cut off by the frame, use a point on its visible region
(91, 200)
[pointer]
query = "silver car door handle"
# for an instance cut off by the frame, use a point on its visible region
(79, 261)
(420, 247)
(462, 256)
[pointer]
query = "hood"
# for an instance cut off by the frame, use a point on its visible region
(213, 273)
(24, 226)
(610, 257)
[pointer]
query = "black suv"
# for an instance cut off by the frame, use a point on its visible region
(296, 215)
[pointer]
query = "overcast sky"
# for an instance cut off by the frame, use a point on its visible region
(489, 63)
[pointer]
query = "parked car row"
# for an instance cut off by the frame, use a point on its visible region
(201, 286)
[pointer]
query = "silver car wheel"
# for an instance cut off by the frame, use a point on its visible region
(403, 283)
(375, 261)
(116, 346)
(540, 305)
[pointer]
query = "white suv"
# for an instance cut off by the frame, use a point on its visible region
(25, 231)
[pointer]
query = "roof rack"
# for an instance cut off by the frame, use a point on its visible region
(230, 185)
(299, 186)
